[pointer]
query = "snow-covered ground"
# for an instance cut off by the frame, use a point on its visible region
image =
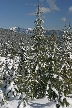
(38, 103)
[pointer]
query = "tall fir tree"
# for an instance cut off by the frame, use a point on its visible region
(66, 58)
(53, 75)
(37, 58)
(65, 74)
(22, 74)
(8, 75)
(59, 71)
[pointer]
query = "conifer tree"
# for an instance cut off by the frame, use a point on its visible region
(64, 73)
(2, 96)
(8, 74)
(22, 74)
(53, 63)
(59, 73)
(37, 58)
(66, 59)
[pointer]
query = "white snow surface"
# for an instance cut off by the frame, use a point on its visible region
(38, 103)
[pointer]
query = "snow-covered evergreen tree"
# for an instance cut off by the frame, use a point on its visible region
(37, 58)
(53, 74)
(8, 73)
(59, 71)
(66, 61)
(22, 74)
(64, 73)
(52, 67)
(2, 96)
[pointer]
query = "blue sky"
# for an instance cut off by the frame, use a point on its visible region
(56, 13)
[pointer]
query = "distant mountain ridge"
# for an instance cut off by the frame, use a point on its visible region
(22, 30)
(30, 31)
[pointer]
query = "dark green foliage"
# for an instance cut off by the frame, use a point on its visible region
(37, 59)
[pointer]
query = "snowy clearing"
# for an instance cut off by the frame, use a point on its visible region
(38, 103)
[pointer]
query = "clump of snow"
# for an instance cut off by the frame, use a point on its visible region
(30, 29)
